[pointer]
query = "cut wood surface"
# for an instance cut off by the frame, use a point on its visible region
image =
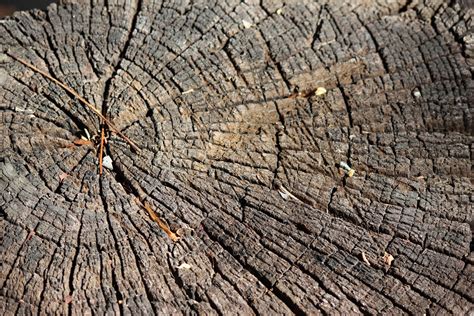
(235, 202)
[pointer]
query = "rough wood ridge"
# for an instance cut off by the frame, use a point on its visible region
(239, 158)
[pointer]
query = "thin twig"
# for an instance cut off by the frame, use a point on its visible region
(160, 223)
(84, 101)
(101, 150)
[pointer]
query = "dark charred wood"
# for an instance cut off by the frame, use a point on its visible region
(240, 158)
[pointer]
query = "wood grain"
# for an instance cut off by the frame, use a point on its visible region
(226, 115)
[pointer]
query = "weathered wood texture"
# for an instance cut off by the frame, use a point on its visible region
(226, 117)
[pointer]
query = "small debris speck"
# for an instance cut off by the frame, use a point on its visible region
(184, 266)
(279, 11)
(28, 111)
(87, 134)
(321, 91)
(4, 58)
(365, 259)
(107, 163)
(283, 195)
(62, 176)
(247, 24)
(347, 169)
(416, 93)
(388, 258)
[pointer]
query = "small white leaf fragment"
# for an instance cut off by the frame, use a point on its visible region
(365, 259)
(184, 266)
(87, 134)
(320, 91)
(107, 163)
(388, 258)
(247, 24)
(285, 194)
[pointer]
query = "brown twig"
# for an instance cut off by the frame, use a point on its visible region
(160, 223)
(101, 150)
(82, 142)
(84, 101)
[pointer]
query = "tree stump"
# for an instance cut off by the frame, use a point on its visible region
(236, 202)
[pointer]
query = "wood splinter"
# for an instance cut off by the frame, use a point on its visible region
(101, 150)
(84, 101)
(160, 223)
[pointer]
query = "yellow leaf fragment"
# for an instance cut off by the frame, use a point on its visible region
(351, 172)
